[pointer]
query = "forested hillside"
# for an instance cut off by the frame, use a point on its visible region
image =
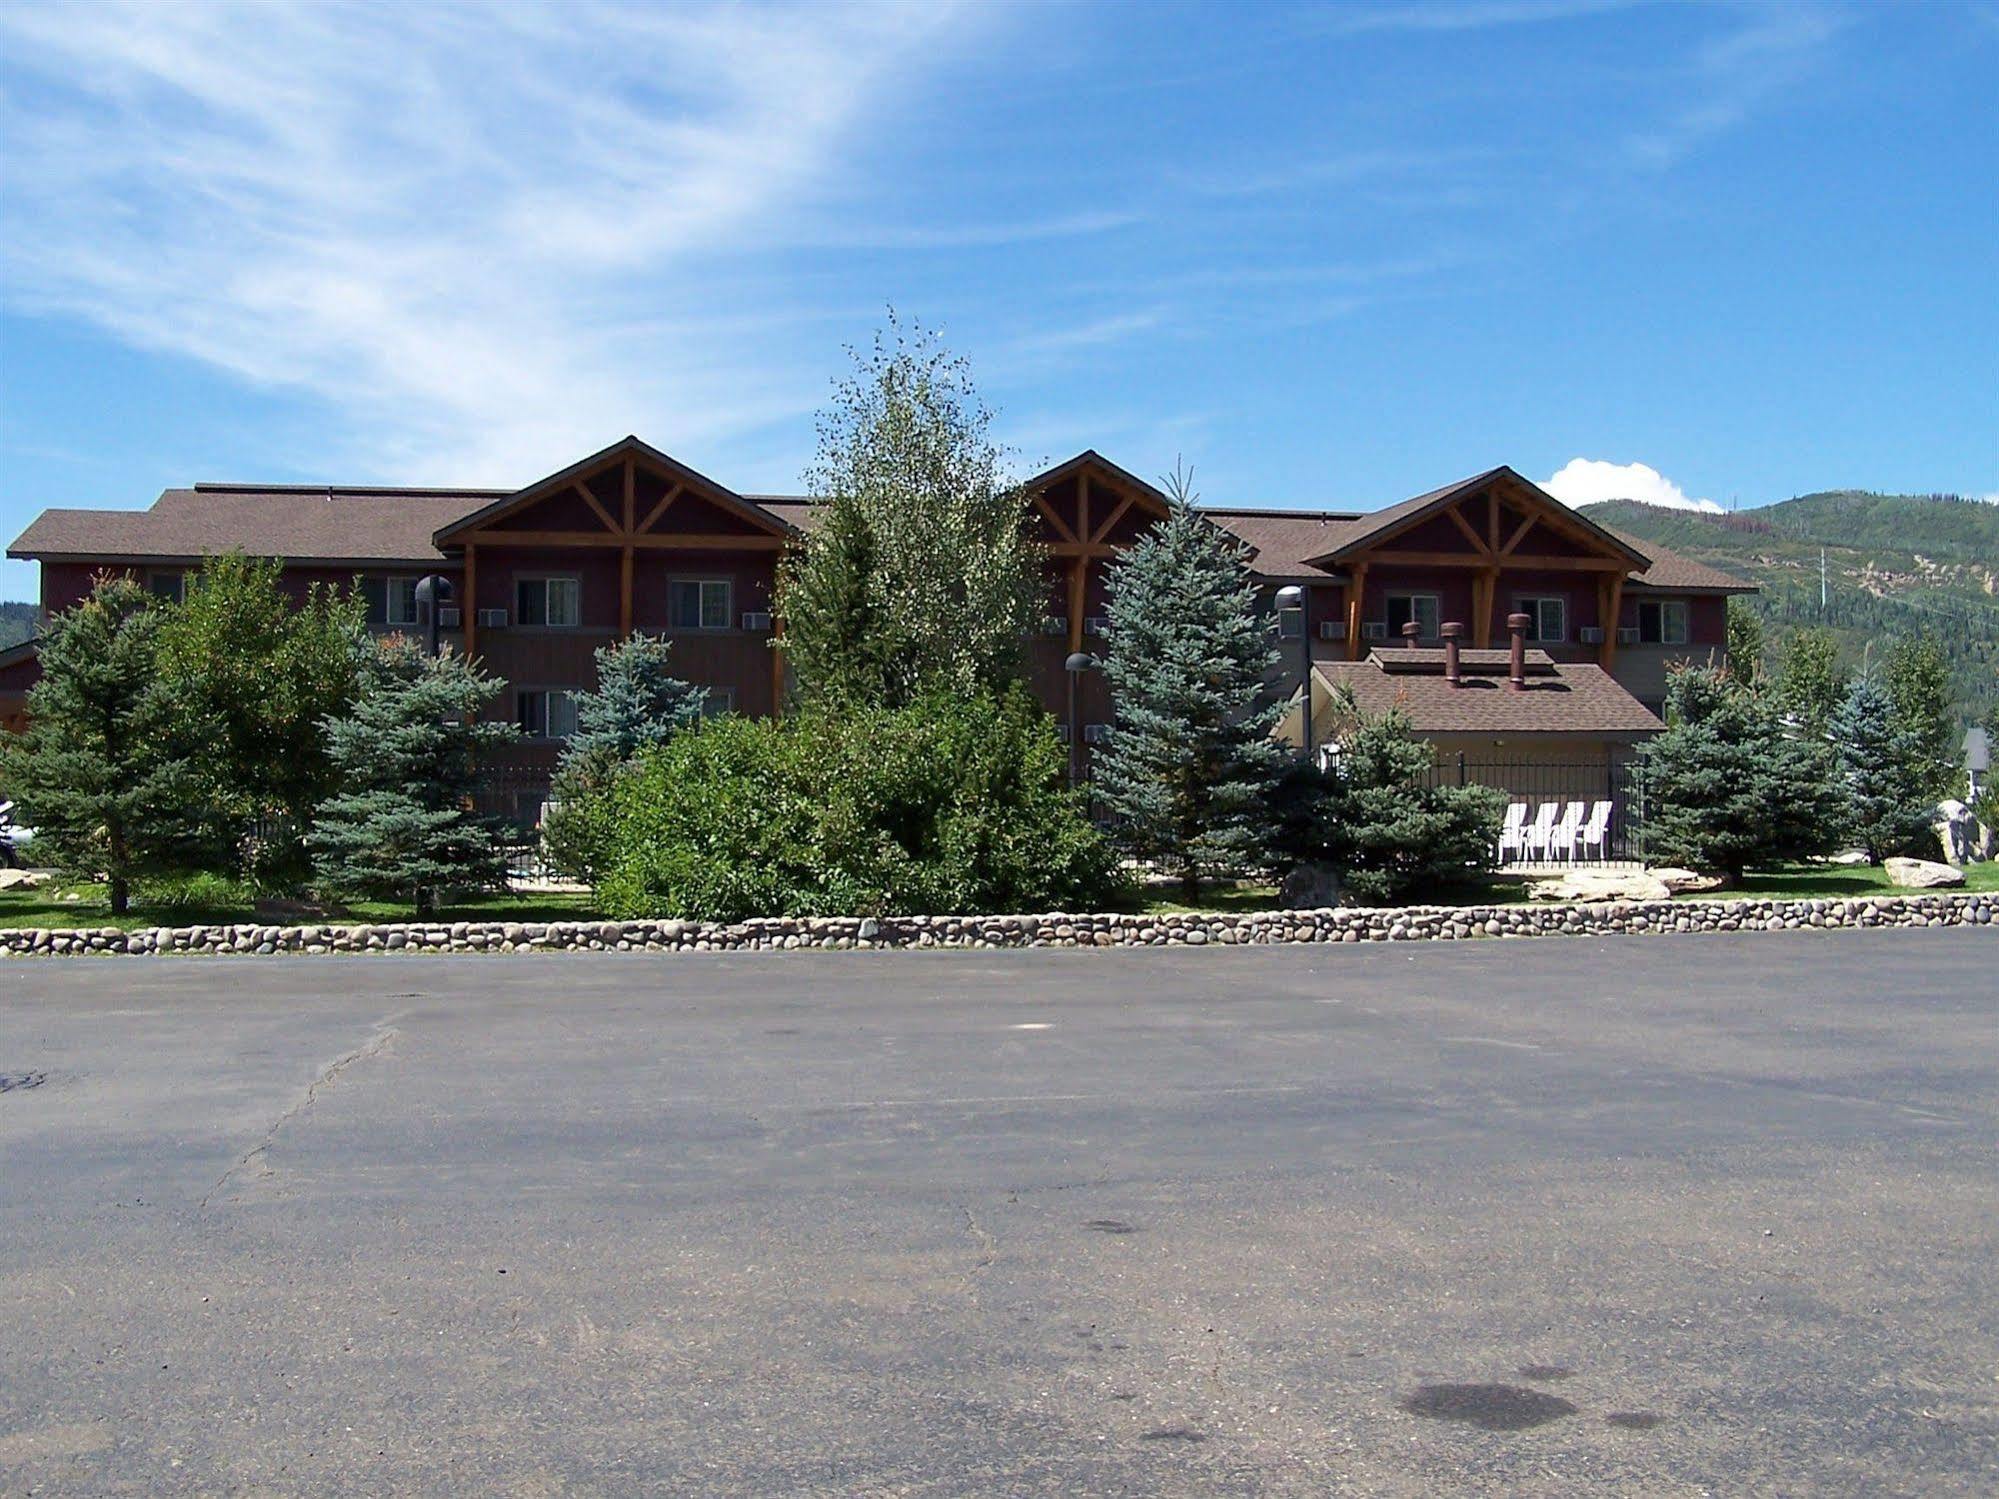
(1894, 565)
(17, 623)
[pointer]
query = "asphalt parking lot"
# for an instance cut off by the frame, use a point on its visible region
(1652, 1215)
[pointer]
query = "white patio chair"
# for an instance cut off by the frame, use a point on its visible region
(1594, 839)
(1513, 833)
(1562, 837)
(1534, 840)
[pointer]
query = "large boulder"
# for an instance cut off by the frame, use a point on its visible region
(1958, 831)
(1311, 887)
(1600, 885)
(22, 879)
(1921, 874)
(1680, 881)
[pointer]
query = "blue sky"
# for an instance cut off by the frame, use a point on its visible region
(1329, 255)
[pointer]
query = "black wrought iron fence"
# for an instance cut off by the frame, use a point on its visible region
(515, 798)
(1584, 812)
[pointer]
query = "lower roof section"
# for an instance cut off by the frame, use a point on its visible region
(1557, 697)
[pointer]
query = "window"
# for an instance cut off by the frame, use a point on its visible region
(1662, 621)
(399, 601)
(1421, 607)
(719, 702)
(169, 586)
(545, 712)
(1547, 617)
(555, 603)
(1290, 623)
(698, 604)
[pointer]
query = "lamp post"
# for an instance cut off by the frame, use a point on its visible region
(1075, 666)
(432, 593)
(1290, 597)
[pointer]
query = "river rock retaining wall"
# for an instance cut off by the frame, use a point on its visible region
(1356, 924)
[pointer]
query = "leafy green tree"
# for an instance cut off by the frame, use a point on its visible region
(1728, 789)
(1918, 680)
(97, 774)
(249, 678)
(406, 757)
(638, 705)
(951, 804)
(919, 575)
(1372, 813)
(1889, 808)
(1744, 641)
(1810, 686)
(1189, 761)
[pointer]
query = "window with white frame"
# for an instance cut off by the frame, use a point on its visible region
(1424, 608)
(554, 603)
(545, 712)
(1662, 621)
(399, 601)
(698, 603)
(718, 701)
(1547, 616)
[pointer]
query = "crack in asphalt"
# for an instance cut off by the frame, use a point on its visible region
(385, 1032)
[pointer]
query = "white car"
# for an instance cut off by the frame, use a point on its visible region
(14, 839)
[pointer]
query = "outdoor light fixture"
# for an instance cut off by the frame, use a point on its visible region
(1075, 666)
(1290, 597)
(432, 593)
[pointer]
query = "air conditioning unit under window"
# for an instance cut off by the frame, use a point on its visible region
(1062, 732)
(1332, 629)
(492, 619)
(1055, 624)
(1590, 634)
(1627, 634)
(756, 619)
(448, 618)
(1096, 733)
(1097, 624)
(1374, 629)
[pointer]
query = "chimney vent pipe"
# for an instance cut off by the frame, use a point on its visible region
(1409, 633)
(1516, 672)
(1451, 633)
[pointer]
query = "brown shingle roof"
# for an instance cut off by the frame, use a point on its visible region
(1284, 539)
(334, 525)
(1561, 697)
(1671, 571)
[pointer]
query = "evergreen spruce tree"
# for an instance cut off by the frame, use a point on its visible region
(1918, 681)
(1889, 807)
(919, 576)
(1810, 686)
(1728, 789)
(402, 826)
(638, 705)
(1189, 760)
(96, 774)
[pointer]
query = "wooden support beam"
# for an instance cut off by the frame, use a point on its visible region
(1061, 526)
(469, 610)
(631, 492)
(1458, 519)
(1483, 587)
(652, 516)
(625, 587)
(592, 501)
(1115, 516)
(1080, 549)
(1610, 608)
(1518, 536)
(1492, 519)
(777, 668)
(1463, 559)
(1083, 507)
(1078, 584)
(1356, 593)
(695, 541)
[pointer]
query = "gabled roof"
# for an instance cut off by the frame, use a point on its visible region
(1372, 530)
(626, 447)
(1150, 495)
(1560, 697)
(1284, 541)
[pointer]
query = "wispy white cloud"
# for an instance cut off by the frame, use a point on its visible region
(441, 218)
(1584, 481)
(1732, 75)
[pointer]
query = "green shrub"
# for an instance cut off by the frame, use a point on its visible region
(1373, 816)
(195, 894)
(943, 806)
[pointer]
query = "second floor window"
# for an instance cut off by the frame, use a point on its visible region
(1547, 617)
(698, 604)
(1662, 621)
(553, 602)
(169, 586)
(545, 712)
(1421, 607)
(399, 601)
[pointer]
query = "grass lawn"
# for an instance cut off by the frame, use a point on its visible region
(1831, 881)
